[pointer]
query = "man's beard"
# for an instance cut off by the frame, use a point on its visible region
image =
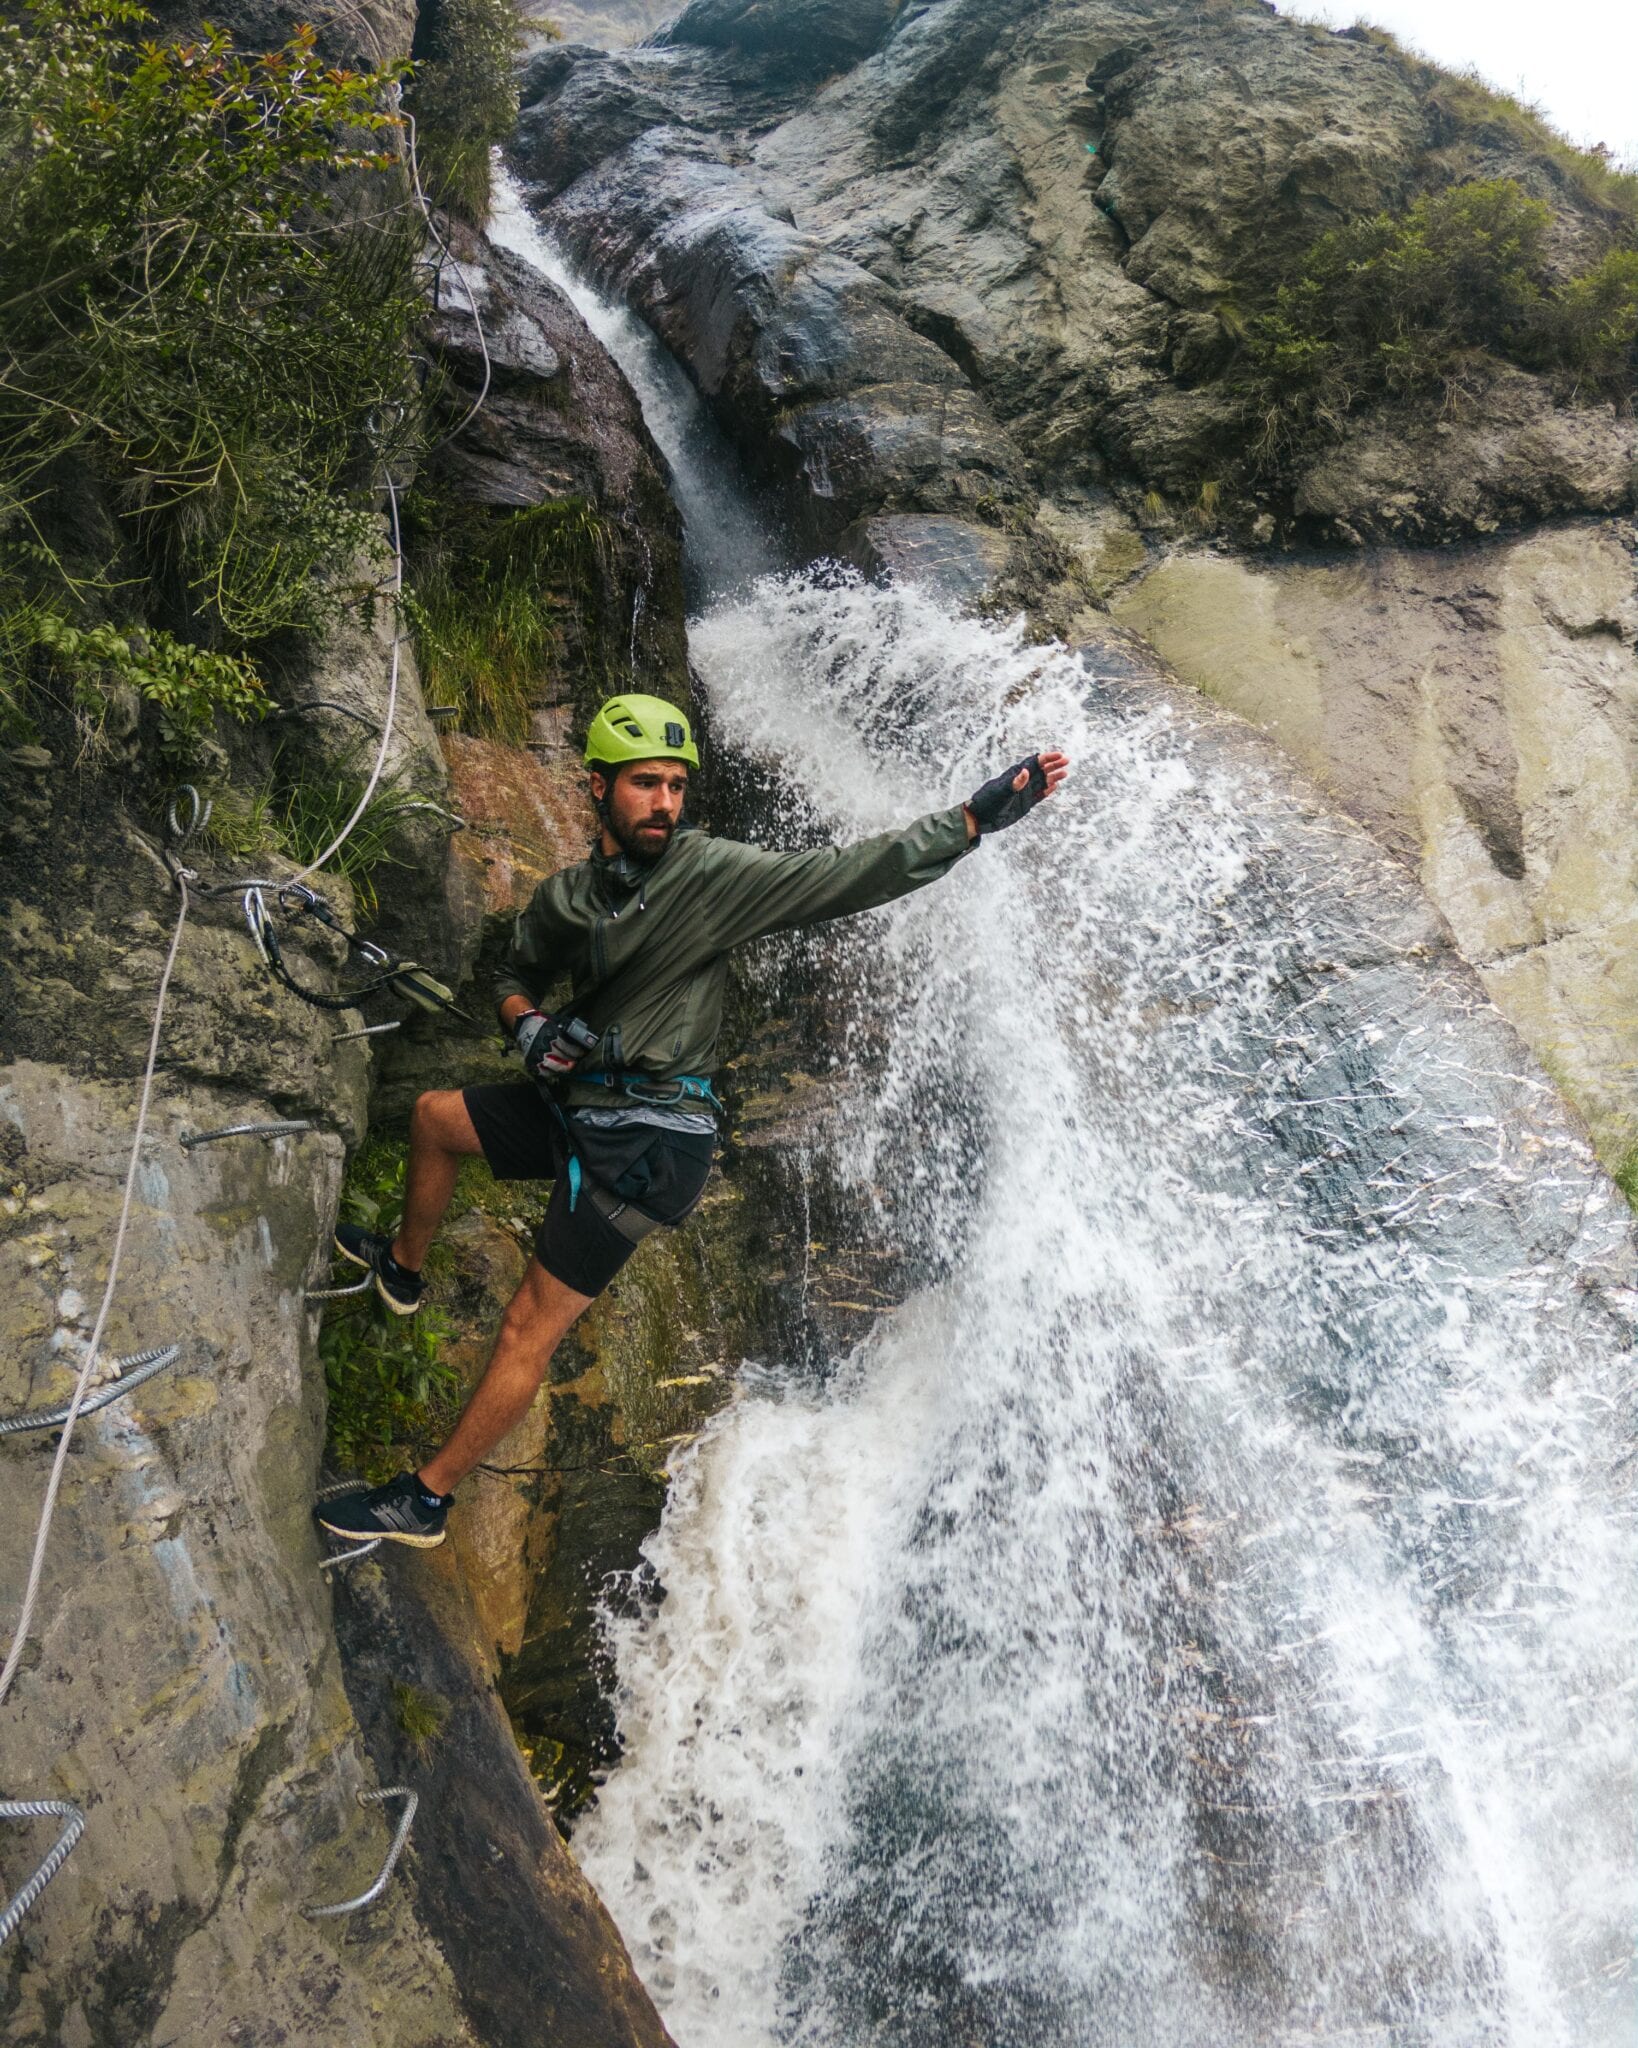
(633, 844)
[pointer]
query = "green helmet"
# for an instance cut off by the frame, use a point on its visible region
(639, 729)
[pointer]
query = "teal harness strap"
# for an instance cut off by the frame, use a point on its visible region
(655, 1094)
(575, 1178)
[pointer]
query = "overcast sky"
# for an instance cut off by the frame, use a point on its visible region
(1577, 59)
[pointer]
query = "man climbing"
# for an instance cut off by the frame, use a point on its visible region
(617, 1109)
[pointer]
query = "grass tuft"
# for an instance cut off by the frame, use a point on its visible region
(488, 596)
(421, 1716)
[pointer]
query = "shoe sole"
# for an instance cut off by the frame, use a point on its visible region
(385, 1536)
(399, 1308)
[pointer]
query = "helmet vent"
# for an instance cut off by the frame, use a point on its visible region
(634, 729)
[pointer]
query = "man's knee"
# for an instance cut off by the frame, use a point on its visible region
(440, 1120)
(542, 1309)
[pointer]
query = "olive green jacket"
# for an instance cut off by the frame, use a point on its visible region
(647, 959)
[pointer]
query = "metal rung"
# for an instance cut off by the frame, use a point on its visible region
(73, 1827)
(275, 1130)
(338, 1293)
(351, 1554)
(327, 704)
(455, 824)
(130, 1372)
(436, 711)
(411, 1801)
(369, 1031)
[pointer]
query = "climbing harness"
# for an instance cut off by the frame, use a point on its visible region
(404, 977)
(274, 1130)
(633, 1224)
(368, 1898)
(655, 1094)
(73, 1827)
(129, 1372)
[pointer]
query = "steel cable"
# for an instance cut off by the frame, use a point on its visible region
(132, 1371)
(284, 1129)
(73, 1827)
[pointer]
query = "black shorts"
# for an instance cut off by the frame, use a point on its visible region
(661, 1173)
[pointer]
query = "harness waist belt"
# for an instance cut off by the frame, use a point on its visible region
(656, 1094)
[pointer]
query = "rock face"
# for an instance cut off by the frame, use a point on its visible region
(558, 422)
(950, 256)
(181, 1679)
(972, 300)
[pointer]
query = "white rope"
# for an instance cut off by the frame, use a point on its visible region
(43, 1535)
(460, 426)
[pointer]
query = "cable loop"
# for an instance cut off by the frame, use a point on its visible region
(338, 1293)
(198, 816)
(351, 1554)
(283, 1128)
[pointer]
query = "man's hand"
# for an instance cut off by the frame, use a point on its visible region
(550, 1046)
(1006, 797)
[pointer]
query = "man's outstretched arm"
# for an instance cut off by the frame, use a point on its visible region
(758, 891)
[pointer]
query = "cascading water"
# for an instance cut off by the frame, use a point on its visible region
(1202, 1613)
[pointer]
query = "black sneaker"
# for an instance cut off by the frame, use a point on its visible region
(399, 1512)
(402, 1290)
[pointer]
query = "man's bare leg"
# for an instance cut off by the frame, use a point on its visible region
(441, 1136)
(536, 1320)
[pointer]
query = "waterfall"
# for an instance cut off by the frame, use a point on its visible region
(1202, 1612)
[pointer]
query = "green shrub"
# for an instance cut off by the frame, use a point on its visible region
(208, 264)
(188, 684)
(464, 95)
(488, 596)
(1392, 301)
(1591, 323)
(1409, 302)
(309, 806)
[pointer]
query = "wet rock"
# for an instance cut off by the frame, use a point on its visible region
(818, 35)
(1478, 708)
(559, 422)
(526, 819)
(963, 561)
(185, 1691)
(530, 1949)
(1080, 206)
(1509, 458)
